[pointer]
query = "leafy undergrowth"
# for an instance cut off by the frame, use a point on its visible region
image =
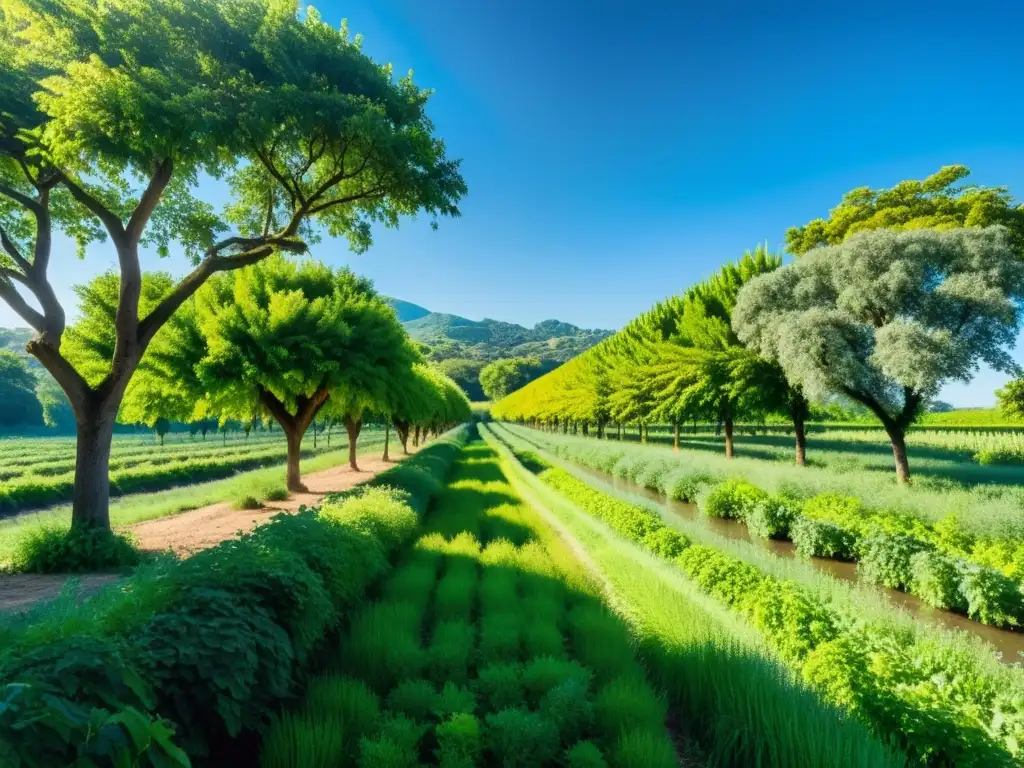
(187, 659)
(934, 701)
(52, 549)
(486, 647)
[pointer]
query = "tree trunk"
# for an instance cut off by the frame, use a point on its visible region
(387, 434)
(402, 428)
(801, 440)
(897, 437)
(294, 477)
(675, 437)
(728, 439)
(619, 435)
(586, 428)
(90, 506)
(416, 436)
(353, 427)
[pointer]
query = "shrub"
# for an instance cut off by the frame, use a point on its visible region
(351, 707)
(844, 511)
(381, 512)
(541, 635)
(384, 645)
(568, 706)
(499, 637)
(935, 578)
(543, 674)
(277, 493)
(454, 700)
(302, 741)
(685, 485)
(450, 650)
(771, 517)
(600, 641)
(54, 549)
(816, 538)
(725, 577)
(665, 542)
(584, 754)
(517, 738)
(500, 686)
(458, 742)
(885, 559)
(218, 665)
(793, 623)
(731, 498)
(628, 703)
(416, 699)
(245, 500)
(991, 597)
(951, 536)
(643, 748)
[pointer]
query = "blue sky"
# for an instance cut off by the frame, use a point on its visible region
(617, 152)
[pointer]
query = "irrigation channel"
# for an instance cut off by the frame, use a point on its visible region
(1009, 643)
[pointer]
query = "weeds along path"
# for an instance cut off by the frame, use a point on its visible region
(730, 695)
(487, 645)
(941, 697)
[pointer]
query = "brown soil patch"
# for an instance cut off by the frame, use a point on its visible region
(20, 590)
(204, 527)
(190, 532)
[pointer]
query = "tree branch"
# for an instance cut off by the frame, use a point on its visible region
(70, 380)
(110, 219)
(21, 199)
(12, 251)
(150, 198)
(17, 302)
(378, 192)
(277, 409)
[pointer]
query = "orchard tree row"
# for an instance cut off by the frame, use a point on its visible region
(113, 118)
(898, 292)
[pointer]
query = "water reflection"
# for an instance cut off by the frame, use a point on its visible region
(1008, 643)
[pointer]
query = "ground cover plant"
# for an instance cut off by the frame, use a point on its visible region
(486, 646)
(942, 701)
(734, 703)
(256, 610)
(836, 514)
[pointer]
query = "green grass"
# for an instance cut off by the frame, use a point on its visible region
(470, 643)
(138, 508)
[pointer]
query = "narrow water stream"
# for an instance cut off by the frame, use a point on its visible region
(1009, 644)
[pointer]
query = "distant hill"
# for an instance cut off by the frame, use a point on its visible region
(408, 311)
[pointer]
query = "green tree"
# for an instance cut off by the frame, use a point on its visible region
(57, 412)
(886, 317)
(110, 113)
(935, 203)
(19, 406)
(465, 372)
(502, 377)
(1011, 399)
(294, 338)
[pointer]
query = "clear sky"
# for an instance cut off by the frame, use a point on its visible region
(617, 152)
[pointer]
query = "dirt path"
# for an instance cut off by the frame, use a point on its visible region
(190, 532)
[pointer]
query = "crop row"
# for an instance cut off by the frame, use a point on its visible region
(213, 643)
(479, 652)
(933, 701)
(735, 699)
(29, 491)
(982, 526)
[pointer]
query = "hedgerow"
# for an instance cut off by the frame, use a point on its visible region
(228, 634)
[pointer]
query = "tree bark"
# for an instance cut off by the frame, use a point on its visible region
(294, 475)
(402, 428)
(801, 440)
(897, 436)
(729, 453)
(416, 437)
(675, 437)
(387, 434)
(294, 427)
(90, 506)
(619, 436)
(353, 427)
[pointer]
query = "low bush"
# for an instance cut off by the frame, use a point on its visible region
(885, 559)
(414, 698)
(684, 485)
(450, 650)
(935, 578)
(643, 748)
(454, 700)
(816, 538)
(991, 597)
(245, 500)
(794, 623)
(544, 673)
(276, 493)
(584, 754)
(666, 542)
(518, 738)
(296, 740)
(771, 517)
(568, 705)
(500, 686)
(732, 499)
(628, 703)
(459, 742)
(55, 549)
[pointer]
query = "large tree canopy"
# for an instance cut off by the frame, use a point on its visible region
(501, 377)
(935, 203)
(886, 317)
(110, 113)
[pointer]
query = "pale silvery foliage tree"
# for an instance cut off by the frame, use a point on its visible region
(886, 318)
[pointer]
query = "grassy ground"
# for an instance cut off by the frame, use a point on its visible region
(138, 508)
(487, 646)
(733, 697)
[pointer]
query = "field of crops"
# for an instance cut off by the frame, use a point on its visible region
(36, 472)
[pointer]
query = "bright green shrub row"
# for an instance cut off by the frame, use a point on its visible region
(933, 701)
(213, 643)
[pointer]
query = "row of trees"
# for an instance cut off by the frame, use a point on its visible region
(898, 292)
(111, 113)
(284, 341)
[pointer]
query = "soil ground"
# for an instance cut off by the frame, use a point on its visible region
(190, 532)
